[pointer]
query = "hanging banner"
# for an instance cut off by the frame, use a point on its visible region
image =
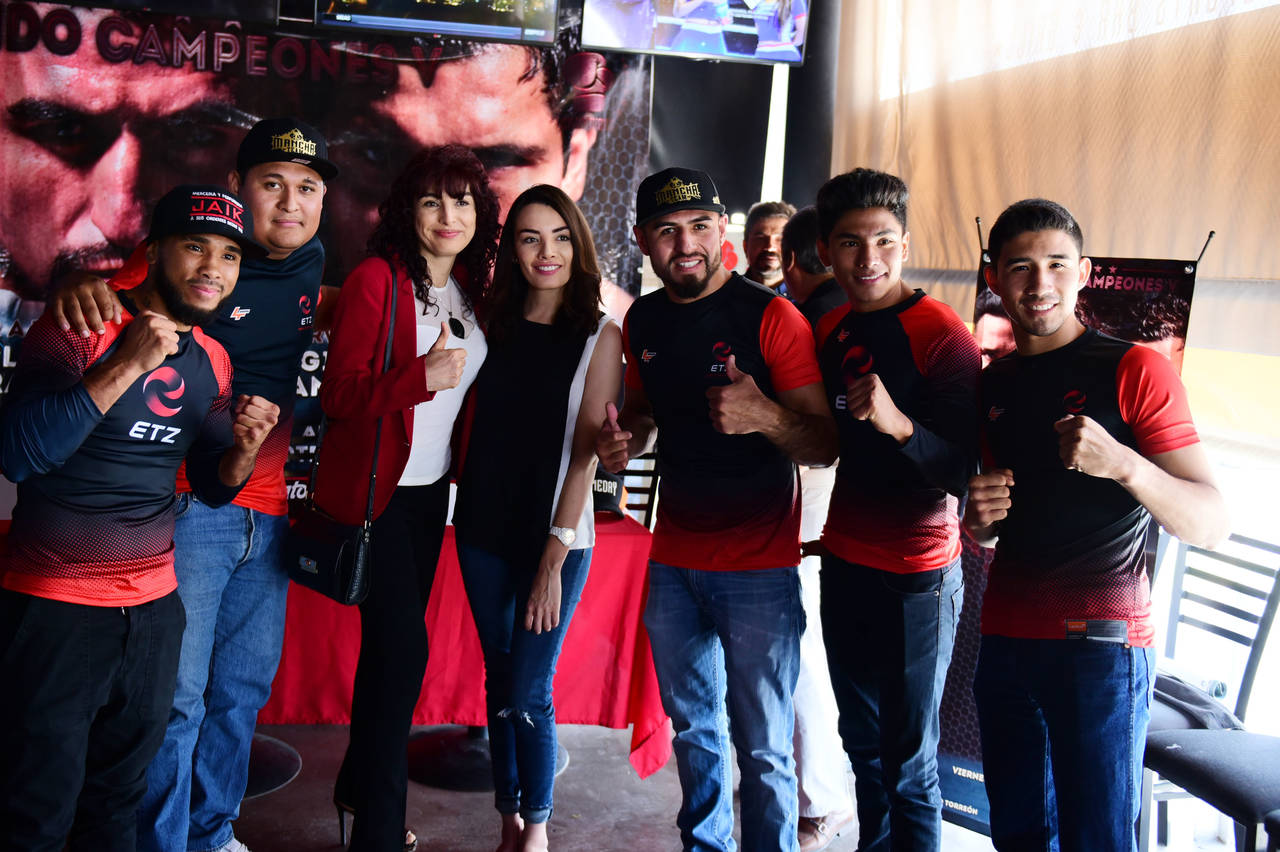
(103, 111)
(1144, 301)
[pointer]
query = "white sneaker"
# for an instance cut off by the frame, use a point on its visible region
(232, 845)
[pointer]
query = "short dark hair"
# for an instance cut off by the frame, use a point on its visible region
(579, 312)
(1032, 214)
(988, 303)
(861, 189)
(800, 241)
(766, 210)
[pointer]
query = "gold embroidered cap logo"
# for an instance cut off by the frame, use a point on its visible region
(677, 191)
(293, 142)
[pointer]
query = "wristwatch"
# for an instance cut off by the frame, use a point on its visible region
(567, 535)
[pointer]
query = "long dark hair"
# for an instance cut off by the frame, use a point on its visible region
(444, 169)
(579, 312)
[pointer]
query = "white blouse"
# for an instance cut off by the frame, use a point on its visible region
(429, 452)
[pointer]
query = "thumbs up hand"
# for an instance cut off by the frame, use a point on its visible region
(738, 407)
(444, 366)
(613, 442)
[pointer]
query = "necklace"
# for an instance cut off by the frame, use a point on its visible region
(447, 297)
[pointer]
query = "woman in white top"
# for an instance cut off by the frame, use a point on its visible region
(524, 518)
(435, 239)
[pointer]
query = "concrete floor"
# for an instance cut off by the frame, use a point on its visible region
(601, 805)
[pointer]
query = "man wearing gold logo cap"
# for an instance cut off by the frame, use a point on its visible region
(723, 371)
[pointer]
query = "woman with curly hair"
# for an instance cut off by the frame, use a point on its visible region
(524, 518)
(435, 243)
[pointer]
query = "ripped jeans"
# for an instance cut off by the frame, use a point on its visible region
(519, 667)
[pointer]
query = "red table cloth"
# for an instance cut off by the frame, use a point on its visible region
(604, 677)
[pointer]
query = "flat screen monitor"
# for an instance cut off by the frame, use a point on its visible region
(530, 21)
(247, 11)
(740, 30)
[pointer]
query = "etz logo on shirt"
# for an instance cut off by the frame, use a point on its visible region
(162, 389)
(857, 363)
(304, 305)
(720, 351)
(1073, 402)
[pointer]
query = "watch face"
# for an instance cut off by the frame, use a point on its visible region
(567, 535)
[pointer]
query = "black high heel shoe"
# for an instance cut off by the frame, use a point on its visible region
(343, 810)
(410, 839)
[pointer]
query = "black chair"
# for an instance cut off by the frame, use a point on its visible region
(640, 478)
(1232, 594)
(1237, 772)
(1272, 822)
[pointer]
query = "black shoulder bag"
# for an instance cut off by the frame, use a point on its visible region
(322, 554)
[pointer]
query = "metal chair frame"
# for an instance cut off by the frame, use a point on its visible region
(640, 479)
(1162, 791)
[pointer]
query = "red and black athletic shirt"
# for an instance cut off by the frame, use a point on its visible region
(265, 327)
(726, 502)
(894, 508)
(94, 519)
(1071, 546)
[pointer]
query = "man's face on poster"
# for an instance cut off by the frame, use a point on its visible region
(86, 146)
(479, 101)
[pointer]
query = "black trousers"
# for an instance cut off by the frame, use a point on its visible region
(88, 691)
(393, 659)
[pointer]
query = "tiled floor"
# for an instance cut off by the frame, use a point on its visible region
(601, 805)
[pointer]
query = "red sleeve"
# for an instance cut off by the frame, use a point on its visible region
(134, 271)
(787, 345)
(1153, 402)
(218, 357)
(829, 321)
(354, 384)
(632, 376)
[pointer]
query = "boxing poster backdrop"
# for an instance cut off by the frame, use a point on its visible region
(103, 111)
(1141, 300)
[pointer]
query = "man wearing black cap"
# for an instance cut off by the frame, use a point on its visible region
(725, 370)
(230, 573)
(94, 430)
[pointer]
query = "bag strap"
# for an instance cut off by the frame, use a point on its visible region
(377, 438)
(377, 433)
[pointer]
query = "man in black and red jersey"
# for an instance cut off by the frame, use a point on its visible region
(230, 571)
(821, 769)
(1086, 438)
(93, 431)
(901, 374)
(723, 371)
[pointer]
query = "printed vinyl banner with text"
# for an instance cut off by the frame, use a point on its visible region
(104, 111)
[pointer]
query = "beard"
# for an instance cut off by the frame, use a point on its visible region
(182, 312)
(687, 287)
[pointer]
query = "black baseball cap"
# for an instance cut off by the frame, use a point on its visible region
(676, 189)
(205, 209)
(285, 140)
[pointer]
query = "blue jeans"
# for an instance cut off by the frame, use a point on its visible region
(1064, 725)
(889, 639)
(729, 639)
(232, 583)
(519, 667)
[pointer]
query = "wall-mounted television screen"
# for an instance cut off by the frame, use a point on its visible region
(255, 11)
(498, 20)
(739, 30)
